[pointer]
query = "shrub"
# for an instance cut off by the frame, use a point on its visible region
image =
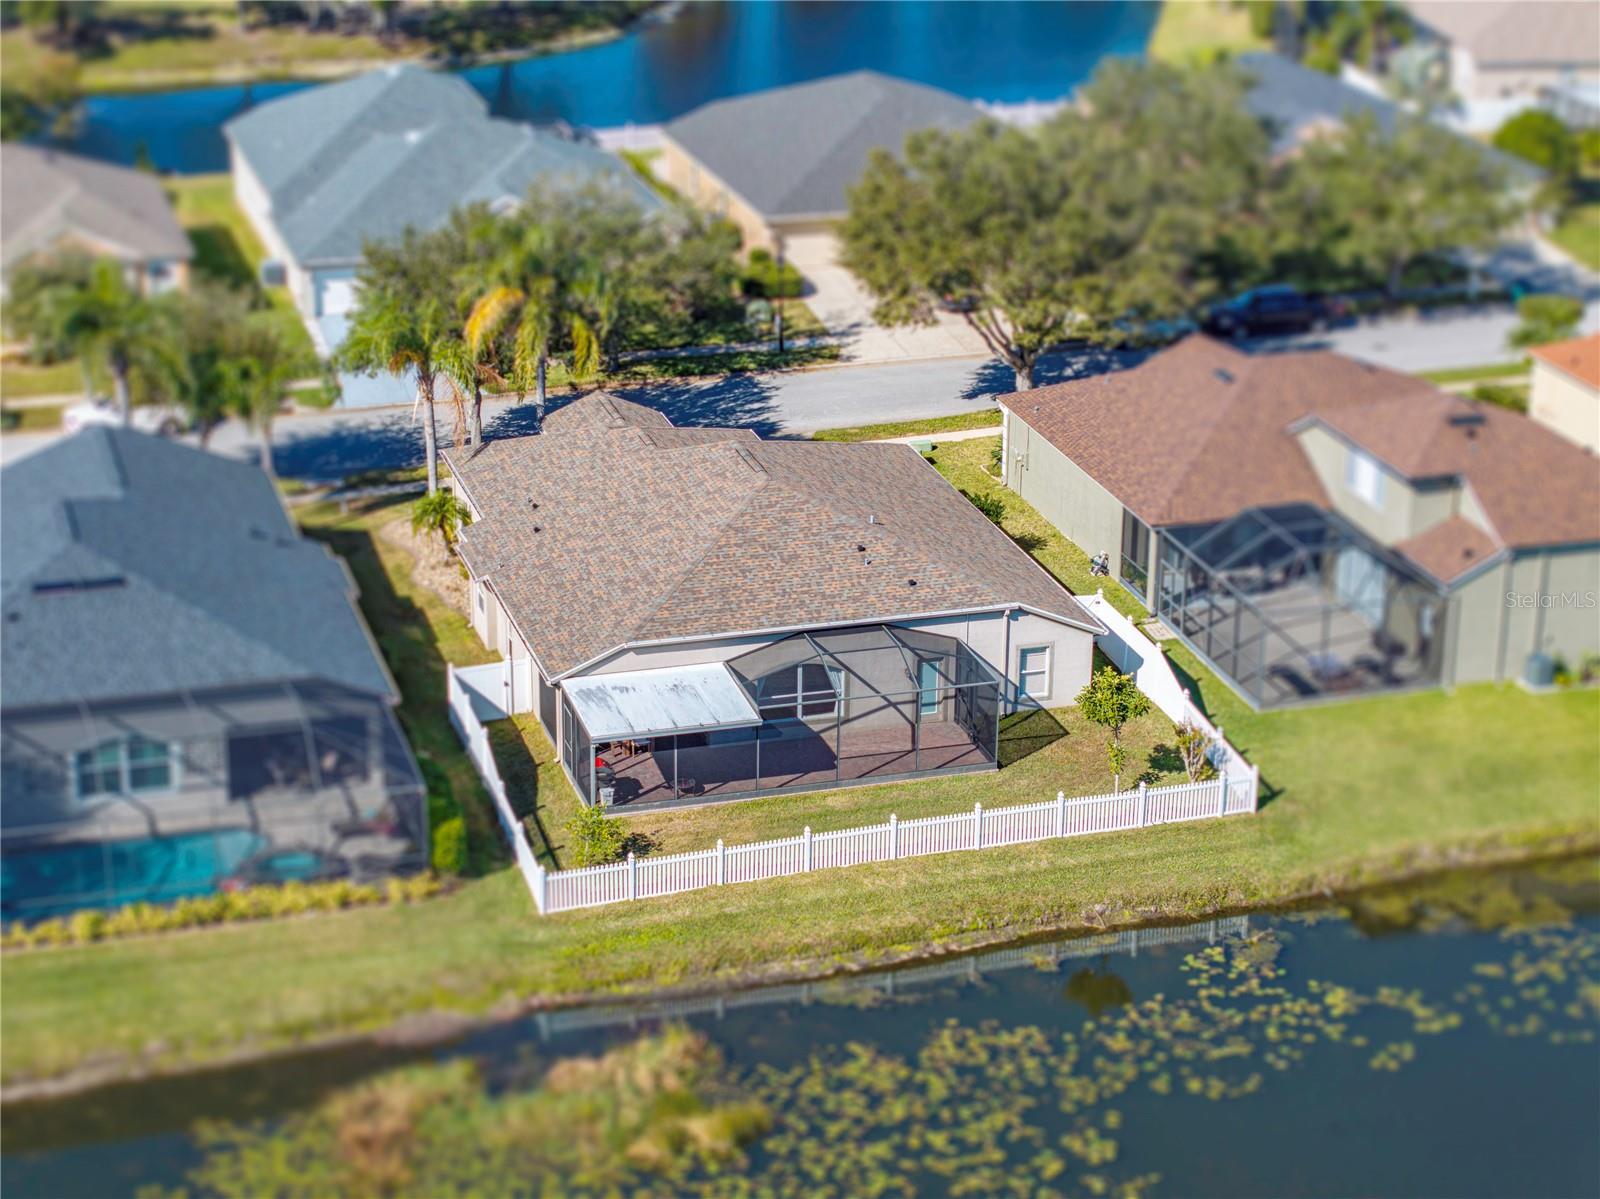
(991, 506)
(1546, 318)
(1501, 395)
(997, 459)
(1539, 137)
(596, 837)
(449, 854)
(763, 280)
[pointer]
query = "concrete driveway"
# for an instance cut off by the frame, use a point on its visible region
(845, 307)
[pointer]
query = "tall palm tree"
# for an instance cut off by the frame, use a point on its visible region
(522, 297)
(254, 376)
(394, 333)
(105, 320)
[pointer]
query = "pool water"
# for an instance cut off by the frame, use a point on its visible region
(39, 883)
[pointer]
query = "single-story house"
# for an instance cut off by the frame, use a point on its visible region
(190, 698)
(1564, 392)
(1313, 526)
(51, 201)
(320, 172)
(706, 614)
(1504, 55)
(1299, 103)
(778, 163)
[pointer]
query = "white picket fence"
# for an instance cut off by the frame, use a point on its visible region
(1231, 793)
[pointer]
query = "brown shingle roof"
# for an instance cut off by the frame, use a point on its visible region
(1450, 548)
(644, 532)
(1578, 357)
(1202, 431)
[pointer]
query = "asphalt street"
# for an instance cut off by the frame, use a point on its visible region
(333, 444)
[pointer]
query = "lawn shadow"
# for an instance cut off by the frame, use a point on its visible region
(519, 770)
(404, 633)
(1025, 733)
(217, 254)
(1164, 759)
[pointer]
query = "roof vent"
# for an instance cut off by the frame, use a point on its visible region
(911, 582)
(1465, 419)
(413, 136)
(258, 534)
(872, 519)
(1225, 375)
(64, 586)
(538, 528)
(861, 549)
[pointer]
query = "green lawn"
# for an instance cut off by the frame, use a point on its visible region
(983, 419)
(23, 380)
(1200, 29)
(1579, 234)
(1476, 374)
(35, 418)
(227, 249)
(1353, 792)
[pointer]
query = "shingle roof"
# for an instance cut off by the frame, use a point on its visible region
(46, 193)
(1202, 431)
(133, 566)
(400, 146)
(1516, 32)
(1450, 548)
(793, 151)
(1579, 357)
(1299, 102)
(600, 533)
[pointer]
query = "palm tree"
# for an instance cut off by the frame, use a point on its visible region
(104, 319)
(254, 375)
(396, 334)
(522, 298)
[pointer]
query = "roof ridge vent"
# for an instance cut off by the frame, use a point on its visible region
(1224, 374)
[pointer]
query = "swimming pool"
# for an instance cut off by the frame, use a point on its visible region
(36, 883)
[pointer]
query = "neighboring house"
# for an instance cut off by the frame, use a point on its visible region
(322, 171)
(190, 697)
(1313, 526)
(1565, 391)
(779, 162)
(713, 615)
(51, 201)
(1506, 55)
(1299, 103)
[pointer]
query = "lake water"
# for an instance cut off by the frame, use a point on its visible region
(1430, 1041)
(993, 50)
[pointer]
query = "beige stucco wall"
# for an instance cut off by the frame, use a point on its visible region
(253, 200)
(1405, 510)
(1065, 495)
(1568, 406)
(680, 170)
(1540, 601)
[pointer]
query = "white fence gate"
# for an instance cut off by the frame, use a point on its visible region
(1233, 792)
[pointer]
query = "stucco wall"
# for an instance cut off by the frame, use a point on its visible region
(1065, 495)
(256, 205)
(1404, 511)
(1566, 405)
(1541, 601)
(680, 170)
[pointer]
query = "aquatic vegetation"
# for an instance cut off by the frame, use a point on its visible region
(967, 1107)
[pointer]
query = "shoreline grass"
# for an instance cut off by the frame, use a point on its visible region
(1354, 792)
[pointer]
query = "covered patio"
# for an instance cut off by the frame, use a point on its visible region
(1292, 603)
(808, 712)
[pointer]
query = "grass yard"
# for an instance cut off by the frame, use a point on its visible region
(1488, 373)
(34, 418)
(1200, 29)
(983, 419)
(1579, 234)
(23, 380)
(1353, 792)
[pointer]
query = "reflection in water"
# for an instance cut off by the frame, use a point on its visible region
(1283, 1055)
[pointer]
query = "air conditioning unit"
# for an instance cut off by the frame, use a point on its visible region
(274, 274)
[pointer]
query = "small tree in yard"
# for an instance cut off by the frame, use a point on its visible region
(991, 506)
(596, 837)
(440, 512)
(1194, 747)
(1110, 700)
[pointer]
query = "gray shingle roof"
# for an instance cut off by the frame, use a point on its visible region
(366, 157)
(793, 151)
(1295, 101)
(644, 533)
(133, 566)
(46, 193)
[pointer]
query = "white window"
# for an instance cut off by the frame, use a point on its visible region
(122, 766)
(1364, 477)
(1033, 671)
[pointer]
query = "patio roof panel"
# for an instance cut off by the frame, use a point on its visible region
(661, 702)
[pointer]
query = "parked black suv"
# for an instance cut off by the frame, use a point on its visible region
(1268, 310)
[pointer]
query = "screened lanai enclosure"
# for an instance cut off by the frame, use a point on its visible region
(111, 803)
(811, 711)
(1293, 603)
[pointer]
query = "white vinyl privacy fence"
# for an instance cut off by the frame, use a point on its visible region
(1232, 793)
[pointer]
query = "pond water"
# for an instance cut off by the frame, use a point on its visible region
(997, 50)
(1436, 1040)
